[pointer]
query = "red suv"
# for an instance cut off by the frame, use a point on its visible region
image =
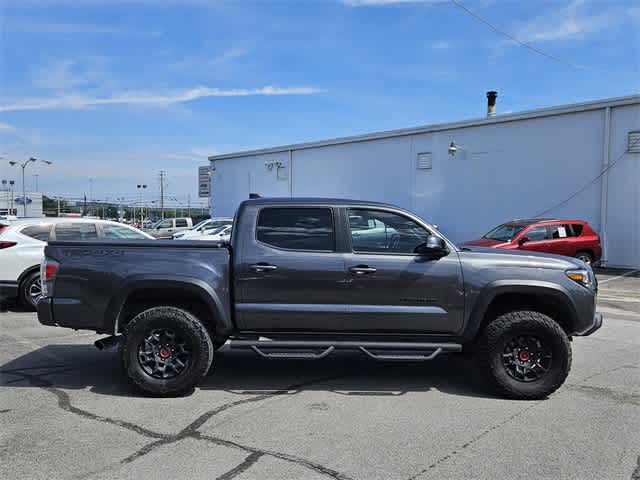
(573, 238)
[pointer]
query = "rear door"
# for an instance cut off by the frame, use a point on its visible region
(290, 275)
(393, 289)
(560, 242)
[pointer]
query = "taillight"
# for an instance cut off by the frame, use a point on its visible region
(48, 272)
(6, 244)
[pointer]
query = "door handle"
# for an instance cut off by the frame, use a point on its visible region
(262, 267)
(362, 270)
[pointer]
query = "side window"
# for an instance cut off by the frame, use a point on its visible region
(39, 232)
(387, 232)
(577, 229)
(76, 231)
(165, 224)
(561, 231)
(297, 228)
(537, 233)
(118, 231)
(181, 222)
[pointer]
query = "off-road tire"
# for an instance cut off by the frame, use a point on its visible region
(25, 286)
(493, 341)
(188, 326)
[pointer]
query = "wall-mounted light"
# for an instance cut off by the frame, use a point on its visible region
(454, 148)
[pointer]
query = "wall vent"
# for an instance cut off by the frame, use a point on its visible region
(633, 146)
(424, 161)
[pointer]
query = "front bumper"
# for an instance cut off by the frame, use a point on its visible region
(597, 323)
(45, 311)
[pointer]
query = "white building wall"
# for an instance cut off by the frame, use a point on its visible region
(34, 209)
(502, 171)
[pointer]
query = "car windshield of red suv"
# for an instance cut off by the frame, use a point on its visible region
(505, 232)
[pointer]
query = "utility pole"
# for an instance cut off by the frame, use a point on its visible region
(162, 175)
(58, 205)
(189, 205)
(84, 209)
(91, 193)
(36, 176)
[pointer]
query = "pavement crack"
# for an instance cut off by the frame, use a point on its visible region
(473, 440)
(636, 473)
(6, 410)
(616, 396)
(252, 458)
(64, 402)
(191, 430)
(282, 456)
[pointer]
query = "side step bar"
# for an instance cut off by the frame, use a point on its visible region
(299, 349)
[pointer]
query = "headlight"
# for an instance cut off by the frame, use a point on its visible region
(581, 276)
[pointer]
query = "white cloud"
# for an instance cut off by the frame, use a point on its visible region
(441, 45)
(571, 22)
(5, 127)
(202, 62)
(79, 101)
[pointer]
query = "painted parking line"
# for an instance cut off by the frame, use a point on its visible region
(617, 277)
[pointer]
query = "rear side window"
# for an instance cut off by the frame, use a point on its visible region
(39, 232)
(561, 231)
(297, 228)
(76, 231)
(577, 229)
(181, 222)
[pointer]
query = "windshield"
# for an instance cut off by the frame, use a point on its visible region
(505, 232)
(198, 225)
(218, 230)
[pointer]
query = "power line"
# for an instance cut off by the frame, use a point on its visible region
(532, 48)
(587, 185)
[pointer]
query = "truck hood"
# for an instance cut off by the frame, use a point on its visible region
(492, 257)
(484, 242)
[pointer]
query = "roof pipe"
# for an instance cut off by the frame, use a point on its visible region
(491, 103)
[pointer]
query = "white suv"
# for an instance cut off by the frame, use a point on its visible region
(22, 245)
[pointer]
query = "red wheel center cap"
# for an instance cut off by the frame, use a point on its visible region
(523, 356)
(165, 352)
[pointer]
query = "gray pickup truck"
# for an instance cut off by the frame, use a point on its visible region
(303, 278)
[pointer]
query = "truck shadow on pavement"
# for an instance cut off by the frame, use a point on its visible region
(77, 367)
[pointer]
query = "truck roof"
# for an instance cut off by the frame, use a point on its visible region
(314, 201)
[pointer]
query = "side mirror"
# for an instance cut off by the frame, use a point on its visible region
(434, 247)
(158, 227)
(523, 240)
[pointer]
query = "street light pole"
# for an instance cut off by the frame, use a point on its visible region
(24, 191)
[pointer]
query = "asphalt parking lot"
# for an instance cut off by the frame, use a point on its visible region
(67, 412)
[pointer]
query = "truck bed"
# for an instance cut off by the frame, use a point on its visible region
(94, 278)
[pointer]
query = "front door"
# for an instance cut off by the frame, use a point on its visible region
(292, 277)
(537, 239)
(393, 289)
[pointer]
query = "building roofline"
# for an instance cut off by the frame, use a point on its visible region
(525, 115)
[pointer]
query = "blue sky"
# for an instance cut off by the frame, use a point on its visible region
(116, 90)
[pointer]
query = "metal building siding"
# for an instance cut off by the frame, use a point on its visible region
(502, 170)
